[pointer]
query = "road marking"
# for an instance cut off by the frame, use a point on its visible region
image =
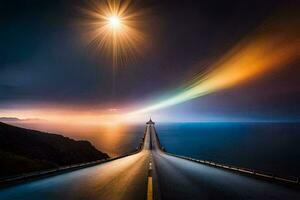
(150, 189)
(150, 182)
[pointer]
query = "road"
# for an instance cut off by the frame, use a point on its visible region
(127, 178)
(178, 178)
(124, 178)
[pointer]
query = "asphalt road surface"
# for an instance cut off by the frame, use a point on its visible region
(178, 178)
(127, 179)
(124, 178)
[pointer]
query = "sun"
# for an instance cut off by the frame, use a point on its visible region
(115, 22)
(114, 28)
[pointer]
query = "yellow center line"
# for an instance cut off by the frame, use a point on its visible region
(150, 182)
(150, 189)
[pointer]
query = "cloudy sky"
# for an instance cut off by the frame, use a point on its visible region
(45, 61)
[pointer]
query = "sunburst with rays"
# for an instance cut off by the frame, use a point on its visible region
(113, 27)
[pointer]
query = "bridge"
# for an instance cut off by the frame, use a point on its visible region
(149, 174)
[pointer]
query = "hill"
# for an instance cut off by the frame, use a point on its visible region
(23, 150)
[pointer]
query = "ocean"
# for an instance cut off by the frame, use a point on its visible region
(271, 147)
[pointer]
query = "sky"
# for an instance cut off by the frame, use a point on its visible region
(49, 71)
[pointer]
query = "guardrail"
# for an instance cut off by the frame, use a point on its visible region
(252, 172)
(54, 171)
(258, 173)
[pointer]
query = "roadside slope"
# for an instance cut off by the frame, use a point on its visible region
(35, 150)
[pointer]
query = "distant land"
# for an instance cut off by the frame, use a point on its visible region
(24, 150)
(15, 119)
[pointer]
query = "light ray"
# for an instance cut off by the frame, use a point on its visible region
(269, 48)
(113, 27)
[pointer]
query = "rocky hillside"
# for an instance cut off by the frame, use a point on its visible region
(23, 150)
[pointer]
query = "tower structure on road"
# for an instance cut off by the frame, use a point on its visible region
(150, 122)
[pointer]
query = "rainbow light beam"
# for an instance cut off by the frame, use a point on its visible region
(269, 48)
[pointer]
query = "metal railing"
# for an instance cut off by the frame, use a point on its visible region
(253, 172)
(247, 171)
